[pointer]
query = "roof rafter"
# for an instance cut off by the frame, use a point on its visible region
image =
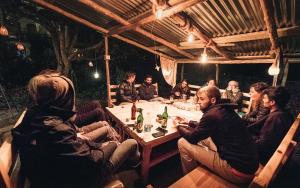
(144, 20)
(95, 27)
(121, 20)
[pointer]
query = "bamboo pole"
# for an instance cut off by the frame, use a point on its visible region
(107, 58)
(217, 73)
(285, 73)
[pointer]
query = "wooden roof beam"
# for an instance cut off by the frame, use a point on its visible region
(235, 61)
(95, 27)
(268, 13)
(166, 13)
(121, 20)
(260, 35)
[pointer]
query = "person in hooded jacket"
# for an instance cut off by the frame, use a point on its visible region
(51, 153)
(219, 141)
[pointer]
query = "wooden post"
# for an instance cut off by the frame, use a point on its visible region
(175, 74)
(107, 58)
(217, 73)
(285, 73)
(182, 72)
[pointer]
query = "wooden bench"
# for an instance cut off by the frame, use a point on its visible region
(10, 173)
(201, 177)
(114, 89)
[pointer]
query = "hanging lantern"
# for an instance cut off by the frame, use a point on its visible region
(190, 38)
(20, 46)
(274, 69)
(91, 64)
(3, 31)
(203, 58)
(96, 75)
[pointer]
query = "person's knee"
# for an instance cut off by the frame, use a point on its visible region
(181, 143)
(130, 143)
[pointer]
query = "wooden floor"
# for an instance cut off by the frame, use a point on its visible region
(201, 177)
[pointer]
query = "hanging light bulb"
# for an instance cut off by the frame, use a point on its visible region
(203, 58)
(159, 13)
(96, 75)
(190, 38)
(3, 31)
(274, 69)
(91, 64)
(20, 46)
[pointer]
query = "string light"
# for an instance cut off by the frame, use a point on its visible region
(190, 38)
(203, 58)
(157, 67)
(91, 64)
(96, 75)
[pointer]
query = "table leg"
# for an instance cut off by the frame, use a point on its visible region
(146, 163)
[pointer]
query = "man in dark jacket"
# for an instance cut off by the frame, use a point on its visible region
(147, 91)
(225, 146)
(275, 125)
(127, 91)
(51, 153)
(181, 90)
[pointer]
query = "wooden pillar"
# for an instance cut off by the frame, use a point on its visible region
(107, 58)
(175, 74)
(182, 71)
(217, 73)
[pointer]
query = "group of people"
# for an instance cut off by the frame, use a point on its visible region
(62, 146)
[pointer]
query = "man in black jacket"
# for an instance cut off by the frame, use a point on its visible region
(127, 91)
(225, 146)
(147, 91)
(51, 153)
(275, 125)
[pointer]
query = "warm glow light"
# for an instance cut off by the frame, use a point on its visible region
(3, 31)
(273, 70)
(20, 46)
(203, 58)
(96, 75)
(157, 67)
(91, 64)
(190, 38)
(159, 13)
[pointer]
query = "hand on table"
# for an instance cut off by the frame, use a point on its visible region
(180, 121)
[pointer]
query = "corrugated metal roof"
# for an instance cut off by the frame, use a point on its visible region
(215, 18)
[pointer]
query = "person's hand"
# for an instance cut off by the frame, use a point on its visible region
(177, 93)
(181, 120)
(80, 135)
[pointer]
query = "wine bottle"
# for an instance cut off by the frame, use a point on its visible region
(140, 121)
(165, 118)
(133, 111)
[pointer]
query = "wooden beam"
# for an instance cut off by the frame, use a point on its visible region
(260, 35)
(268, 12)
(217, 74)
(95, 27)
(121, 20)
(166, 13)
(238, 61)
(107, 58)
(223, 59)
(197, 46)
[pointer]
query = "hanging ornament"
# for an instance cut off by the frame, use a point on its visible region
(3, 31)
(157, 67)
(91, 64)
(20, 46)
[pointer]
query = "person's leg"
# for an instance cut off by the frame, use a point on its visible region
(93, 126)
(206, 154)
(98, 134)
(127, 150)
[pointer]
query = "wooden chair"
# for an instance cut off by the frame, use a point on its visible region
(10, 174)
(114, 89)
(201, 177)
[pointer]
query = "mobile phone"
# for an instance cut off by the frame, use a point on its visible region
(158, 134)
(161, 130)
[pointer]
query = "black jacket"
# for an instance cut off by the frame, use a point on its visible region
(126, 92)
(181, 90)
(147, 92)
(274, 127)
(53, 156)
(224, 126)
(257, 113)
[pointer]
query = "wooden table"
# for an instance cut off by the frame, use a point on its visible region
(154, 150)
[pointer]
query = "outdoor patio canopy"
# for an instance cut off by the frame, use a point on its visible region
(231, 31)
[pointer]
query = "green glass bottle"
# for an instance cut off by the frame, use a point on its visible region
(140, 121)
(165, 117)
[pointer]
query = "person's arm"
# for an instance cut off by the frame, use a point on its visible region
(201, 130)
(142, 93)
(188, 92)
